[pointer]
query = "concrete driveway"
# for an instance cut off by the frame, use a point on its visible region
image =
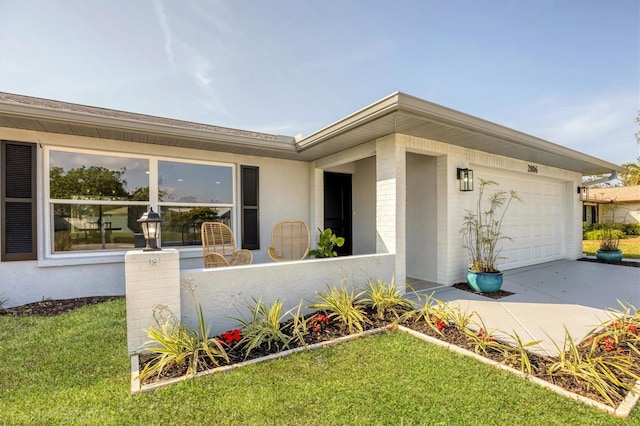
(550, 297)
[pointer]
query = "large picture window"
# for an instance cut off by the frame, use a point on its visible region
(96, 199)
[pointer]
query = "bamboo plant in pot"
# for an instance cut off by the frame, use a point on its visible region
(481, 234)
(611, 233)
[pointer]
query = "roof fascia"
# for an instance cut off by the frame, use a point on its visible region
(77, 118)
(458, 119)
(369, 113)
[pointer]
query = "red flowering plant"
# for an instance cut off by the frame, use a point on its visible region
(620, 334)
(230, 337)
(318, 323)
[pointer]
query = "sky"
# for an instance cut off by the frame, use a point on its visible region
(566, 71)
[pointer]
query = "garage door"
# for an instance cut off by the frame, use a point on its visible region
(536, 225)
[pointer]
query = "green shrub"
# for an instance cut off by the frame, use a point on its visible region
(385, 298)
(631, 228)
(599, 234)
(177, 344)
(267, 326)
(343, 306)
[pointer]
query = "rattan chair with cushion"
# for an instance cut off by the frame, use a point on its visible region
(219, 246)
(290, 240)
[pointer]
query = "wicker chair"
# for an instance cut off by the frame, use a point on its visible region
(290, 240)
(219, 246)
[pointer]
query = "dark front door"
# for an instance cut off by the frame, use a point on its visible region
(337, 208)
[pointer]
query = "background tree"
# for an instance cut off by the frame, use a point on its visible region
(630, 176)
(89, 183)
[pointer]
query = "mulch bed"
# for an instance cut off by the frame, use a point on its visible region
(49, 308)
(497, 295)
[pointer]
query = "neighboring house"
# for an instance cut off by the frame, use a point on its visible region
(76, 178)
(627, 199)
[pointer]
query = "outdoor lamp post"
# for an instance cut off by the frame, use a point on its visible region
(150, 222)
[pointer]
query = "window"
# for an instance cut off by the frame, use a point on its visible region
(96, 199)
(189, 194)
(18, 200)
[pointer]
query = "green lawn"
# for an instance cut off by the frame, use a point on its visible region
(630, 247)
(74, 369)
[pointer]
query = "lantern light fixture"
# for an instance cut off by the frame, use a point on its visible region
(584, 193)
(151, 223)
(465, 176)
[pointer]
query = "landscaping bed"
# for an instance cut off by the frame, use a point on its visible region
(438, 321)
(604, 367)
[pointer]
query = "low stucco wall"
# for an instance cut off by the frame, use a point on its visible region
(225, 293)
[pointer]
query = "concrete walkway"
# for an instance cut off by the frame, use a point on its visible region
(550, 297)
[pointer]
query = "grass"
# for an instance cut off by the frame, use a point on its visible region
(74, 369)
(630, 247)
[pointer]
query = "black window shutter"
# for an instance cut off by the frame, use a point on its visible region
(18, 200)
(249, 175)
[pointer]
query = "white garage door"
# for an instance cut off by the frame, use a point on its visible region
(536, 225)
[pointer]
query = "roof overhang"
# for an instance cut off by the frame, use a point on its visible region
(404, 114)
(397, 113)
(27, 113)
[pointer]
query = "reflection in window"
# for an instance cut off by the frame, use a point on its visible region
(92, 227)
(195, 183)
(79, 176)
(181, 225)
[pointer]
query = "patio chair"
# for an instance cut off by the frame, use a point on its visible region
(219, 246)
(290, 240)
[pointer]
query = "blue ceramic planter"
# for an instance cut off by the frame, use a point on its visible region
(485, 282)
(611, 256)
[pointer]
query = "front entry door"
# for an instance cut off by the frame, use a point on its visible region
(337, 208)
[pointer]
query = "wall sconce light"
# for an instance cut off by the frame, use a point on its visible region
(150, 222)
(465, 176)
(584, 193)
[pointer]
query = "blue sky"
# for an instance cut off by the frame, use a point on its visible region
(566, 71)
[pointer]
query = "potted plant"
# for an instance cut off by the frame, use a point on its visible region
(610, 234)
(326, 243)
(481, 232)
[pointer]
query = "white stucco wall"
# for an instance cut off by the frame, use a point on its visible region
(422, 217)
(284, 195)
(293, 190)
(364, 206)
(225, 293)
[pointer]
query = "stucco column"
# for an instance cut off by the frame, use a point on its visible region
(316, 209)
(391, 203)
(152, 278)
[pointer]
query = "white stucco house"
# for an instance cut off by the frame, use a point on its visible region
(75, 179)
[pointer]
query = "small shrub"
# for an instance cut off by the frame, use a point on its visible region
(602, 372)
(520, 353)
(631, 228)
(600, 234)
(179, 345)
(483, 340)
(266, 327)
(437, 314)
(385, 298)
(343, 306)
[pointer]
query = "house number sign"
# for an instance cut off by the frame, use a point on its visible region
(532, 168)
